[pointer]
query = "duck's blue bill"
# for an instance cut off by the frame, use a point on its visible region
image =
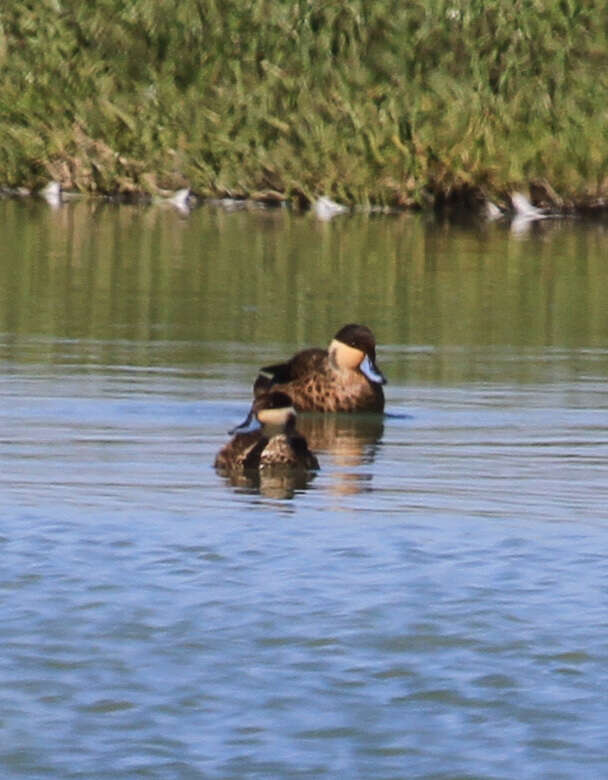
(371, 372)
(249, 425)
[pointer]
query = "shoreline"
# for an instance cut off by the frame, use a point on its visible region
(541, 203)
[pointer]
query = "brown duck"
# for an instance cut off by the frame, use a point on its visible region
(267, 438)
(342, 378)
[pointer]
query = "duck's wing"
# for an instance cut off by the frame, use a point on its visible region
(300, 447)
(252, 458)
(278, 374)
(242, 451)
(305, 362)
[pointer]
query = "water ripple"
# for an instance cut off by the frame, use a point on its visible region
(435, 599)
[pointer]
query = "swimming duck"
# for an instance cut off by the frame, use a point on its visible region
(267, 438)
(342, 378)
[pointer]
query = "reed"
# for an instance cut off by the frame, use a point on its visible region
(369, 101)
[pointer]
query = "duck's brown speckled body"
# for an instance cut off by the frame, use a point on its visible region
(343, 378)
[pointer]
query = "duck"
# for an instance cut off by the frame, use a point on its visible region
(267, 438)
(342, 378)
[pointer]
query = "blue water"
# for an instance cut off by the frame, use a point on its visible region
(433, 604)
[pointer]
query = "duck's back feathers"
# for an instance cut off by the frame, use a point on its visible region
(252, 451)
(243, 451)
(308, 361)
(286, 450)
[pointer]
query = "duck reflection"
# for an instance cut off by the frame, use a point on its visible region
(271, 483)
(350, 441)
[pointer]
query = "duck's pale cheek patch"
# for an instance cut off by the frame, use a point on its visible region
(277, 417)
(345, 357)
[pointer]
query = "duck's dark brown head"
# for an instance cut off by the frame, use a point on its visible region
(275, 411)
(272, 411)
(354, 347)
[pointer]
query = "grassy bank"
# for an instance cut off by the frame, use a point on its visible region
(366, 100)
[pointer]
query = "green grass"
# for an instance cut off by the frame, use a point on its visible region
(369, 101)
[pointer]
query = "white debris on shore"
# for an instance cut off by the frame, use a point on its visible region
(326, 209)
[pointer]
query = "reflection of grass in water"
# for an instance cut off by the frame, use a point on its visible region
(225, 294)
(363, 99)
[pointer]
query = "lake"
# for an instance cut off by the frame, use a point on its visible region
(432, 603)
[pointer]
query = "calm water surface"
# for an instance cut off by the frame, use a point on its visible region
(433, 604)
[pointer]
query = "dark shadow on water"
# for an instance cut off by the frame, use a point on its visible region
(399, 415)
